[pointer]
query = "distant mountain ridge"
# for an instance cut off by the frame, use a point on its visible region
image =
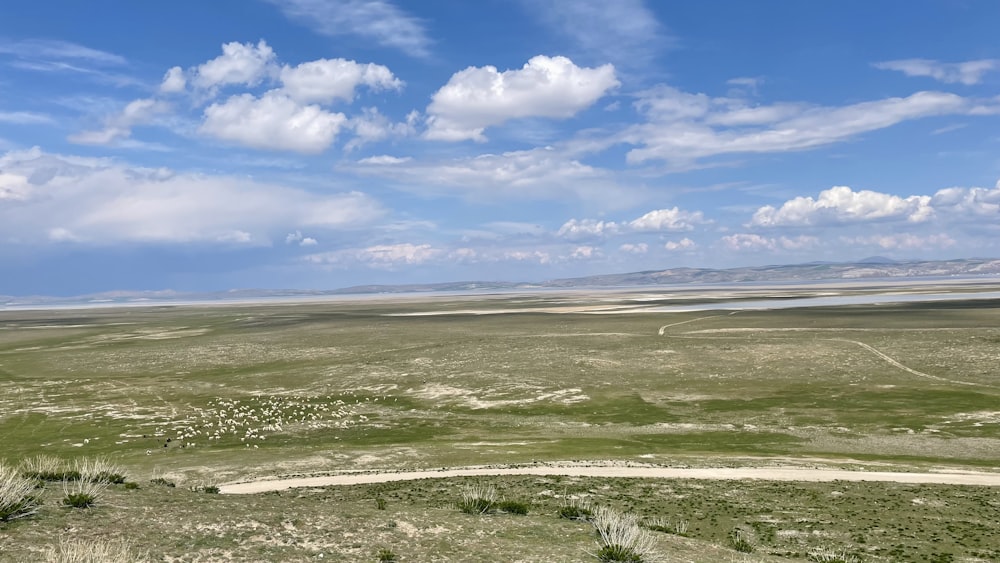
(869, 268)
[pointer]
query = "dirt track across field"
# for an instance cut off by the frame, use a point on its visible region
(647, 472)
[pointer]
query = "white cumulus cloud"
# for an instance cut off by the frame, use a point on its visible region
(586, 228)
(683, 244)
(965, 203)
(629, 248)
(327, 80)
(480, 97)
(239, 63)
(841, 204)
(273, 121)
(173, 81)
(674, 219)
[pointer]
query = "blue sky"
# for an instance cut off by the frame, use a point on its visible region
(325, 143)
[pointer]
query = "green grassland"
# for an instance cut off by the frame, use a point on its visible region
(208, 394)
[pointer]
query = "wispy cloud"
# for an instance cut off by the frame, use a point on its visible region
(100, 202)
(624, 32)
(968, 72)
(24, 117)
(683, 127)
(49, 49)
(379, 20)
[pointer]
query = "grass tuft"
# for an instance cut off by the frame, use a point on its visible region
(742, 540)
(478, 499)
(83, 493)
(829, 556)
(575, 509)
(101, 470)
(621, 538)
(48, 468)
(663, 525)
(386, 555)
(17, 495)
(93, 551)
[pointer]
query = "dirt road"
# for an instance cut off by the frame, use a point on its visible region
(720, 473)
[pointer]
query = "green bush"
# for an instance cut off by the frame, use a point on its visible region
(386, 555)
(380, 503)
(131, 486)
(616, 553)
(513, 507)
(575, 510)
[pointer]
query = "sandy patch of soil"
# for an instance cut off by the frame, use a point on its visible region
(469, 398)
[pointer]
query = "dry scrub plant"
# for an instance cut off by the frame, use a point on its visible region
(93, 551)
(621, 538)
(477, 499)
(17, 495)
(83, 494)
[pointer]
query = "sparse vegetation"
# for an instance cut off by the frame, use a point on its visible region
(679, 528)
(386, 555)
(830, 556)
(77, 550)
(715, 390)
(380, 503)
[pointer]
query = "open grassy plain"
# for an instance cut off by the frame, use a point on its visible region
(204, 395)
